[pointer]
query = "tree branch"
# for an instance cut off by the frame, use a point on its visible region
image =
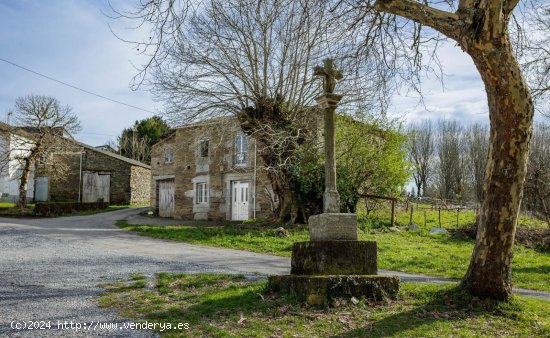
(509, 6)
(442, 21)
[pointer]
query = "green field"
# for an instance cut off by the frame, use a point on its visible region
(436, 255)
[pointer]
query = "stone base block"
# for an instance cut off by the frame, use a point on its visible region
(334, 258)
(321, 290)
(332, 226)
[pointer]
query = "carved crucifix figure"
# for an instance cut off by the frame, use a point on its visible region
(329, 101)
(330, 75)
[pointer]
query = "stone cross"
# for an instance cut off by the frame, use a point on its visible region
(329, 101)
(330, 75)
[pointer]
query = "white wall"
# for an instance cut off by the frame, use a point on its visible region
(12, 148)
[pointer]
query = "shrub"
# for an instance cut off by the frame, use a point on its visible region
(60, 208)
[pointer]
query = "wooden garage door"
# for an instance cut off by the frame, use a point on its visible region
(95, 187)
(166, 198)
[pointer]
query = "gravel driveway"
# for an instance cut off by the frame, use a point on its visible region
(51, 268)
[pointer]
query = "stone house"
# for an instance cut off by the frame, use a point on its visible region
(209, 171)
(80, 172)
(71, 171)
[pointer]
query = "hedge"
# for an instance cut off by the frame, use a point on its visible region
(60, 208)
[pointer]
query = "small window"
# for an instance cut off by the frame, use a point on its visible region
(168, 155)
(203, 148)
(241, 150)
(201, 193)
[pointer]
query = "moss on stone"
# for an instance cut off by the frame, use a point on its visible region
(321, 290)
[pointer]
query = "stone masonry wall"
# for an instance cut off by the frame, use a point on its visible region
(129, 183)
(64, 177)
(140, 185)
(217, 170)
(120, 172)
(159, 168)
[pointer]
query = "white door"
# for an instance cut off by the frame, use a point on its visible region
(239, 201)
(166, 198)
(95, 187)
(41, 189)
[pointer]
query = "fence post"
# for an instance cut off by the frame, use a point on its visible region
(457, 212)
(439, 210)
(424, 218)
(411, 217)
(393, 213)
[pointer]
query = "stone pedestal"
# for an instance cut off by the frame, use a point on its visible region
(333, 226)
(322, 290)
(325, 269)
(334, 258)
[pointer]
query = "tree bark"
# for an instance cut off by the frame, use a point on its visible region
(481, 29)
(511, 115)
(283, 211)
(22, 202)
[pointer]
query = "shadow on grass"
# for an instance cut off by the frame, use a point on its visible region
(446, 305)
(228, 303)
(532, 269)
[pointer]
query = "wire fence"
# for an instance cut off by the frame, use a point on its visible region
(422, 211)
(434, 212)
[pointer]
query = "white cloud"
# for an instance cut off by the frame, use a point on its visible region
(461, 97)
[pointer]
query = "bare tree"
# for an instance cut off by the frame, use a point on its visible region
(452, 160)
(534, 55)
(537, 185)
(132, 146)
(43, 120)
(420, 149)
(477, 144)
(253, 60)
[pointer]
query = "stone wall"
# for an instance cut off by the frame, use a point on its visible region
(140, 185)
(120, 172)
(159, 168)
(218, 170)
(129, 183)
(64, 177)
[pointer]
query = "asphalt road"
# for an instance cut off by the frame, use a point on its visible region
(51, 268)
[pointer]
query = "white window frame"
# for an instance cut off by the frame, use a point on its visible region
(168, 155)
(201, 193)
(200, 149)
(241, 150)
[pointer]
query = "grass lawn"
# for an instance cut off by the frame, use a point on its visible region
(7, 205)
(436, 255)
(226, 305)
(11, 208)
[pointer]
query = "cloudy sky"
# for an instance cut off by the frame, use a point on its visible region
(71, 42)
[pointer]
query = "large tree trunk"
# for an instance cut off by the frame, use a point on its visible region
(22, 202)
(481, 29)
(511, 115)
(283, 211)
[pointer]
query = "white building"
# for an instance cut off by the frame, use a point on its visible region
(14, 145)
